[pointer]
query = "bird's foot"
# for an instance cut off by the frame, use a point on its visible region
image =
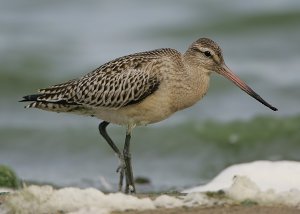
(130, 187)
(123, 168)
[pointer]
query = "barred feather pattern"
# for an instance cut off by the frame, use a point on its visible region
(124, 81)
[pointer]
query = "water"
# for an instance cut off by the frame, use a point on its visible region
(44, 43)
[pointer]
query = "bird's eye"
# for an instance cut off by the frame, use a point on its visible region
(207, 53)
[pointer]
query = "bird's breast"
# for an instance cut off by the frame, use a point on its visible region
(187, 93)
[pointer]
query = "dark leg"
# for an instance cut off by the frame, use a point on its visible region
(121, 168)
(102, 130)
(130, 188)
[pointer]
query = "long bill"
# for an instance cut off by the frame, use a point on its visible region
(226, 72)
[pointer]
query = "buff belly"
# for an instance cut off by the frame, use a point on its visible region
(151, 110)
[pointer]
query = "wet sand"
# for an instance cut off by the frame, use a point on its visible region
(227, 209)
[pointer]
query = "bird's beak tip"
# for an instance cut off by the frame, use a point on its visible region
(226, 72)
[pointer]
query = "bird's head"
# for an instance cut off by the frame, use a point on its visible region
(205, 54)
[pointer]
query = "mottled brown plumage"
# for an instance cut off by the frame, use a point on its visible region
(140, 89)
(118, 83)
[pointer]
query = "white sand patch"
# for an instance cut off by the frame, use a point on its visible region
(45, 199)
(168, 202)
(244, 189)
(276, 175)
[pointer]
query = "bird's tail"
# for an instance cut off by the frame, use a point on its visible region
(40, 101)
(31, 98)
(50, 102)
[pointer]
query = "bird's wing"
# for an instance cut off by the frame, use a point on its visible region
(121, 82)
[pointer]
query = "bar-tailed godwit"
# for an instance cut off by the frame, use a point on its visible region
(140, 89)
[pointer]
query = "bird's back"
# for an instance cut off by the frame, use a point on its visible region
(121, 82)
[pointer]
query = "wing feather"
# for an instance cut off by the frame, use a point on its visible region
(118, 83)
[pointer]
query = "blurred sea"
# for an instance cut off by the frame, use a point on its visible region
(48, 42)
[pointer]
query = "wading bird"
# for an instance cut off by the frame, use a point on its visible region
(140, 89)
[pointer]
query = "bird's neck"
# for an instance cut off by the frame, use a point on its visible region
(191, 87)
